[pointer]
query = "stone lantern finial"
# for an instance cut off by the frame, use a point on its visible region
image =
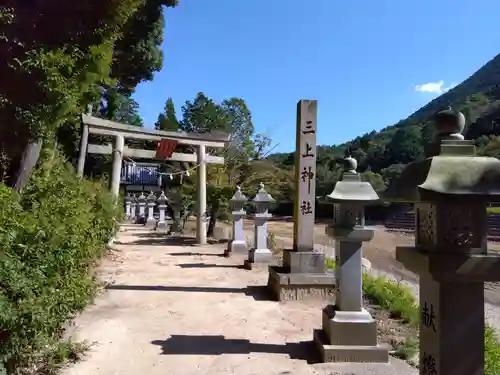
(350, 164)
(162, 197)
(449, 124)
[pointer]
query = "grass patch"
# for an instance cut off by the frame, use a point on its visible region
(400, 304)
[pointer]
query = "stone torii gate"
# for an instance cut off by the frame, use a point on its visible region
(98, 126)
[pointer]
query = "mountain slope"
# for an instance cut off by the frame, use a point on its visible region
(382, 154)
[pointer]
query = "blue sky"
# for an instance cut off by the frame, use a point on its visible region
(362, 60)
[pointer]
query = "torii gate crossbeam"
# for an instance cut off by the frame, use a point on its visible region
(98, 126)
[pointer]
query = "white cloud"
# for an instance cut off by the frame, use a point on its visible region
(434, 87)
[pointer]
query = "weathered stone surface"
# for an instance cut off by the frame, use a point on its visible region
(305, 164)
(260, 253)
(303, 262)
(303, 273)
(356, 328)
(349, 332)
(238, 240)
(450, 190)
(286, 286)
(349, 353)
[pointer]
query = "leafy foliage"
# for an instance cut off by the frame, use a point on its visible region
(52, 70)
(51, 237)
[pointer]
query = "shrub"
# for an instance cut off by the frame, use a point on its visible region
(51, 237)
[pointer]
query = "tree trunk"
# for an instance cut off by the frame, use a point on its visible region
(29, 159)
(214, 210)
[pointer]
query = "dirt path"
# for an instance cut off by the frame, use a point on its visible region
(178, 309)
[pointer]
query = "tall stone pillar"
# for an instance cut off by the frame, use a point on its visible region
(303, 273)
(260, 252)
(201, 216)
(117, 165)
(349, 332)
(450, 191)
(238, 243)
(84, 142)
(151, 203)
(162, 207)
(141, 203)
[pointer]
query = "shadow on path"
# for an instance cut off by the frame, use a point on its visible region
(217, 345)
(257, 292)
(156, 239)
(185, 254)
(211, 265)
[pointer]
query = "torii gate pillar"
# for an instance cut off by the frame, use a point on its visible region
(201, 220)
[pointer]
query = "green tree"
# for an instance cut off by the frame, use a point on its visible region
(168, 120)
(203, 115)
(374, 179)
(405, 146)
(137, 54)
(52, 70)
(392, 172)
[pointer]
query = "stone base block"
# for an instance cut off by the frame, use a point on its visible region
(287, 286)
(349, 353)
(260, 256)
(236, 247)
(150, 223)
(356, 328)
(304, 262)
(163, 227)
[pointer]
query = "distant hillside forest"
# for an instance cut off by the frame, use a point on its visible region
(382, 155)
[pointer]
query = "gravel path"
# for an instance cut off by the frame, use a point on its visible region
(181, 309)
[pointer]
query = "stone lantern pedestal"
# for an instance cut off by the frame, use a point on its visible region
(238, 243)
(260, 252)
(133, 208)
(162, 207)
(128, 211)
(141, 203)
(450, 191)
(151, 203)
(349, 332)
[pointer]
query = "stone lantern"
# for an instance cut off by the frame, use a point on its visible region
(133, 208)
(128, 212)
(260, 253)
(349, 332)
(151, 203)
(141, 202)
(162, 207)
(450, 191)
(238, 243)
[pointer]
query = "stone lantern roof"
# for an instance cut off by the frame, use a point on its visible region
(239, 196)
(162, 199)
(263, 196)
(350, 187)
(452, 168)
